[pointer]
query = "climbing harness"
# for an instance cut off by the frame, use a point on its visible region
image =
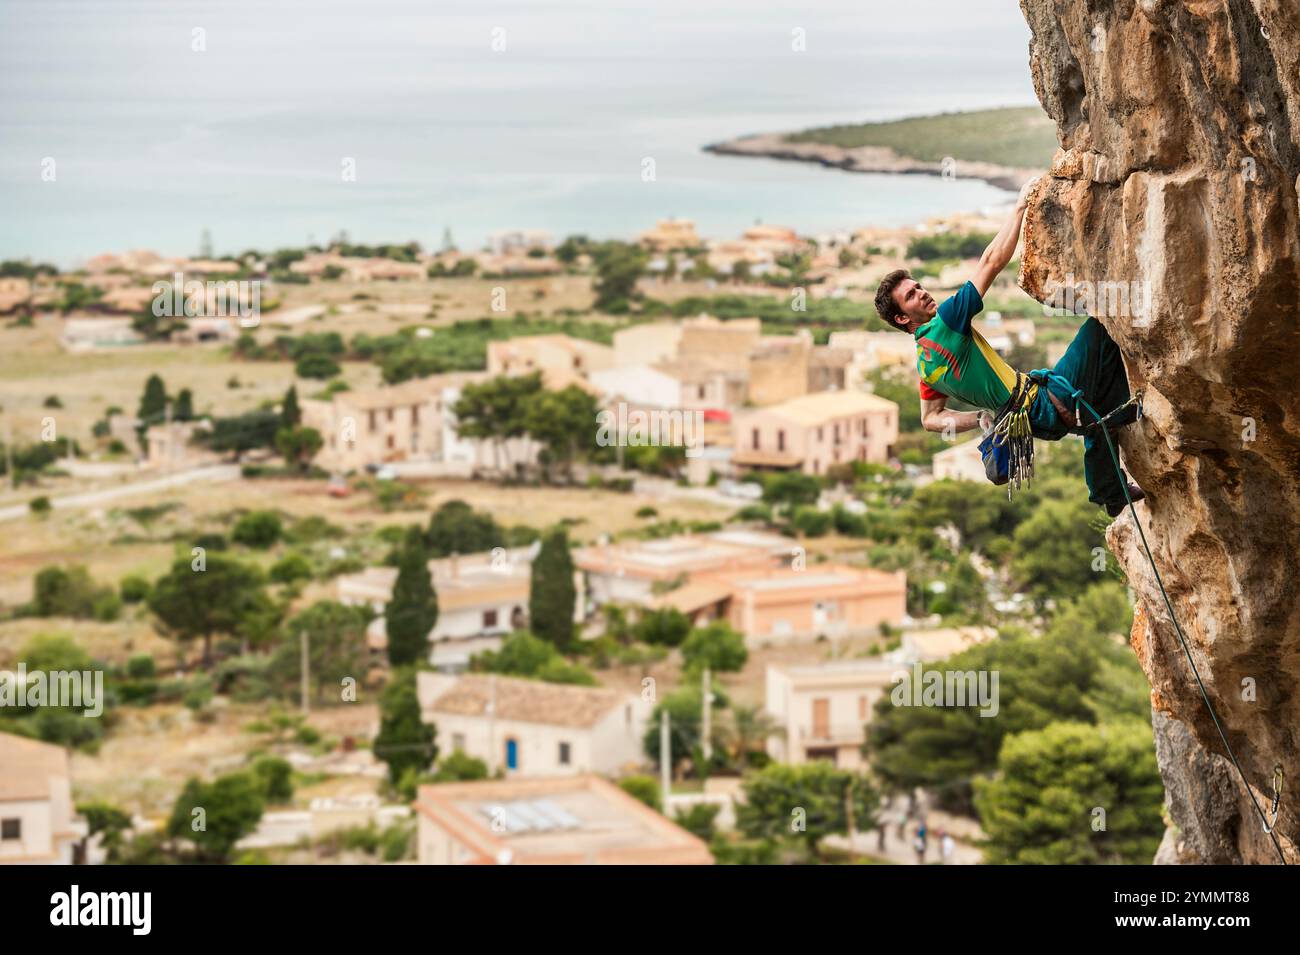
(1182, 638)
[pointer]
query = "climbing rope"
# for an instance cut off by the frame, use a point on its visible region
(1182, 639)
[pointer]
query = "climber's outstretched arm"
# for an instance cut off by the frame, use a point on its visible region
(935, 416)
(1003, 246)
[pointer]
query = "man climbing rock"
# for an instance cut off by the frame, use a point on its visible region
(955, 361)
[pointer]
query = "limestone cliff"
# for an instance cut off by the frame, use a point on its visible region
(1179, 125)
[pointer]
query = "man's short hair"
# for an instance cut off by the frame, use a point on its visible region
(886, 307)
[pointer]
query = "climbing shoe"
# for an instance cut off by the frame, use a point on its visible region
(1134, 492)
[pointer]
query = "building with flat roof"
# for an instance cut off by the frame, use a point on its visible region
(821, 600)
(822, 709)
(579, 821)
(532, 728)
(637, 571)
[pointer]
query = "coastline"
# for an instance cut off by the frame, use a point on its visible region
(879, 159)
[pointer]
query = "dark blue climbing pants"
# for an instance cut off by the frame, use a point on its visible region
(1092, 363)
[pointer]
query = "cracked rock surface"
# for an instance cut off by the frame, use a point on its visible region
(1170, 212)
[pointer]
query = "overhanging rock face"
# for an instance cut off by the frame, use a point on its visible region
(1170, 213)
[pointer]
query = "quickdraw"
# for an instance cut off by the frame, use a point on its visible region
(1012, 430)
(1279, 780)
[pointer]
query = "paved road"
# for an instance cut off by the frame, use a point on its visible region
(216, 472)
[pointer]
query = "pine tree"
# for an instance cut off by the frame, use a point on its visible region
(413, 609)
(290, 413)
(184, 409)
(553, 596)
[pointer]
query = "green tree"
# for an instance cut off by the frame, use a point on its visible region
(564, 423)
(109, 823)
(456, 528)
(715, 646)
(276, 778)
(643, 789)
(1074, 794)
(70, 592)
(456, 767)
(298, 445)
(255, 429)
(618, 267)
(1057, 548)
(290, 412)
(552, 597)
(1075, 673)
(684, 708)
(229, 808)
(805, 803)
(496, 410)
(191, 603)
(412, 611)
(405, 741)
(316, 365)
(258, 529)
(665, 627)
(184, 409)
(153, 406)
(792, 488)
(336, 647)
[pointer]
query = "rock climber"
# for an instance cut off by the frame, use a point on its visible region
(955, 361)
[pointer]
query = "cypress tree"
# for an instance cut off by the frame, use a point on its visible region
(290, 413)
(413, 609)
(552, 595)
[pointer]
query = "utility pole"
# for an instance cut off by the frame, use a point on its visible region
(305, 667)
(706, 697)
(9, 451)
(665, 758)
(492, 724)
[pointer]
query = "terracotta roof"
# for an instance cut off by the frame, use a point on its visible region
(27, 767)
(528, 701)
(692, 597)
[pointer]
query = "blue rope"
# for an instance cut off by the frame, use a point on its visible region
(1182, 639)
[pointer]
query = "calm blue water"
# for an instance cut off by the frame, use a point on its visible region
(153, 141)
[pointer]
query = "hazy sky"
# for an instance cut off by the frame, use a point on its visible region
(167, 116)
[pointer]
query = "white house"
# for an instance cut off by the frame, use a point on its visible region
(961, 462)
(641, 385)
(38, 824)
(481, 597)
(531, 728)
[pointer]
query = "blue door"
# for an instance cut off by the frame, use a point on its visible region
(512, 754)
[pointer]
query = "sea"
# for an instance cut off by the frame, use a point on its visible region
(268, 123)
